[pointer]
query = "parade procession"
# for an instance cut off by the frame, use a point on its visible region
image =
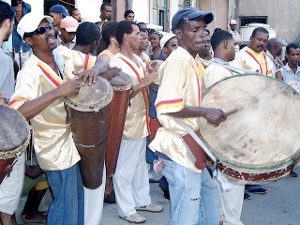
(157, 112)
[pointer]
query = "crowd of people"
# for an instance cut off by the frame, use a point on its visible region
(56, 54)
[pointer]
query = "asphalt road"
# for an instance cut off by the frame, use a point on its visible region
(279, 206)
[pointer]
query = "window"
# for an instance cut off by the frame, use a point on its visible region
(253, 19)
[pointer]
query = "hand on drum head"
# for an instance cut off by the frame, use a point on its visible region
(71, 87)
(215, 116)
(110, 73)
(86, 75)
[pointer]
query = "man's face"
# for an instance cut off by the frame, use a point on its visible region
(130, 17)
(77, 15)
(135, 38)
(67, 36)
(205, 45)
(170, 46)
(43, 42)
(144, 41)
(191, 36)
(233, 26)
(231, 49)
(293, 56)
(57, 17)
(106, 12)
(277, 48)
(258, 43)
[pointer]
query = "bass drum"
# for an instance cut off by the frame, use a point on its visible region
(259, 141)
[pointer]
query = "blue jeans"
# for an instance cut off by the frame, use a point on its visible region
(194, 196)
(67, 189)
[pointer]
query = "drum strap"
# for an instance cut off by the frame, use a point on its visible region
(102, 141)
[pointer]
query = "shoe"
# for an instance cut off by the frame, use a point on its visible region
(293, 174)
(257, 189)
(166, 194)
(110, 198)
(134, 218)
(150, 208)
(247, 196)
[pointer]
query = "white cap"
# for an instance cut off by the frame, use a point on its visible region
(30, 22)
(232, 22)
(165, 39)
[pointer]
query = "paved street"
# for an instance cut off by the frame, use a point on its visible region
(280, 206)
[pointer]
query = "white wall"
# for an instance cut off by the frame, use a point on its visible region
(173, 9)
(141, 10)
(90, 9)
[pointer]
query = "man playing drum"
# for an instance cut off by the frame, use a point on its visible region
(232, 197)
(41, 84)
(131, 183)
(11, 186)
(193, 194)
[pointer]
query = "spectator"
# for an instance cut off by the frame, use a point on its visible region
(75, 13)
(68, 27)
(235, 34)
(129, 15)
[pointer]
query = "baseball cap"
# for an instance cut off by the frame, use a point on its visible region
(233, 22)
(59, 9)
(165, 39)
(69, 23)
(30, 22)
(193, 14)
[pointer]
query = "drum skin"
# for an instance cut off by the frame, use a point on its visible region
(88, 116)
(14, 137)
(260, 141)
(117, 114)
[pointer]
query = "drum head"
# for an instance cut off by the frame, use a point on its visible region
(122, 82)
(14, 130)
(91, 97)
(264, 132)
(295, 85)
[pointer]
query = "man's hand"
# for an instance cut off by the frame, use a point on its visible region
(110, 73)
(215, 116)
(71, 87)
(85, 75)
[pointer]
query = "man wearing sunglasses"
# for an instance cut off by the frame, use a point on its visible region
(42, 83)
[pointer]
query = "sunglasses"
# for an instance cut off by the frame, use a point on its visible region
(173, 45)
(41, 30)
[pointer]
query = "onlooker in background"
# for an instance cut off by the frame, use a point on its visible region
(68, 27)
(129, 15)
(205, 51)
(57, 12)
(253, 58)
(11, 186)
(105, 14)
(274, 49)
(291, 71)
(156, 51)
(235, 34)
(143, 28)
(19, 46)
(75, 13)
(168, 44)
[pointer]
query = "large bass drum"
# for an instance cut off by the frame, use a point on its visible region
(259, 141)
(88, 115)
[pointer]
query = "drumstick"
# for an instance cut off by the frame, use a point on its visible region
(232, 111)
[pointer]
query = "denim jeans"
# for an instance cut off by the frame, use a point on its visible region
(67, 188)
(194, 196)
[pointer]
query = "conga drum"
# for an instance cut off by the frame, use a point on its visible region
(88, 117)
(295, 84)
(259, 141)
(121, 85)
(14, 137)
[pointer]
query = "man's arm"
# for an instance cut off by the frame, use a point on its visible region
(278, 75)
(213, 115)
(33, 107)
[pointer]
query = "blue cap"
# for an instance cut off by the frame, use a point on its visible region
(193, 14)
(59, 9)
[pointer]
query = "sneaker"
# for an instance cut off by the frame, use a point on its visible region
(134, 218)
(110, 198)
(247, 196)
(150, 208)
(257, 189)
(293, 174)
